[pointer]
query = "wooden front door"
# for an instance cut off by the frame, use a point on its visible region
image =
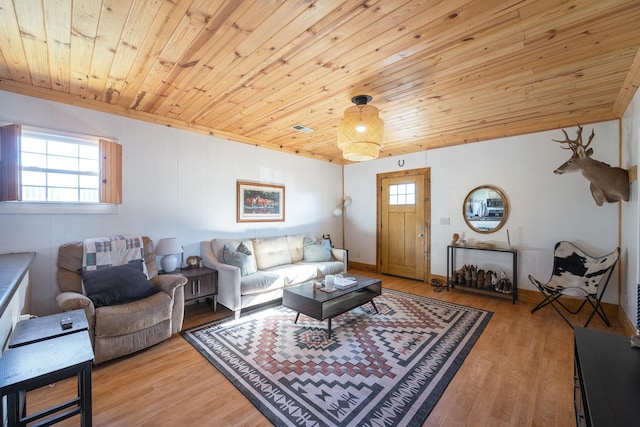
(403, 223)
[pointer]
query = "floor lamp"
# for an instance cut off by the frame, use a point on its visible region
(341, 210)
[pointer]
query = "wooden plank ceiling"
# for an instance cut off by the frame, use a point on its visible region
(441, 72)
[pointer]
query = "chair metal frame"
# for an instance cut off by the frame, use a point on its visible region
(583, 287)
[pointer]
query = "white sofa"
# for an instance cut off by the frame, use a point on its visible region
(269, 265)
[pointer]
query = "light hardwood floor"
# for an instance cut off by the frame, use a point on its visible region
(519, 373)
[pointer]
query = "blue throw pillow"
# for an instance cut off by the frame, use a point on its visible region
(240, 258)
(117, 285)
(316, 252)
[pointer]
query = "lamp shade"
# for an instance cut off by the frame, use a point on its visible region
(360, 131)
(344, 202)
(169, 246)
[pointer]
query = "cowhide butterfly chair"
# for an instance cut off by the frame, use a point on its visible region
(579, 276)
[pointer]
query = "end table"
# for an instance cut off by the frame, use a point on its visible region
(203, 282)
(47, 327)
(43, 353)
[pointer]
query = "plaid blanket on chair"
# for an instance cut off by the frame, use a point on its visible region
(103, 252)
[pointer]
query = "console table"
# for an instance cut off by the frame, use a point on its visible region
(451, 266)
(607, 379)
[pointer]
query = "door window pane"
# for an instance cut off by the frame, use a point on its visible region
(402, 194)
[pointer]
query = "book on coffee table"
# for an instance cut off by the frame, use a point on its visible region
(345, 283)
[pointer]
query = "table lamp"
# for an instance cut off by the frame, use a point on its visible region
(168, 247)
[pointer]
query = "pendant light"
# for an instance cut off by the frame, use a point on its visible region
(360, 131)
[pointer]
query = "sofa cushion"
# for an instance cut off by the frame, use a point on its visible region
(293, 274)
(260, 282)
(296, 246)
(327, 267)
(240, 257)
(271, 251)
(117, 285)
(316, 252)
(134, 316)
(112, 346)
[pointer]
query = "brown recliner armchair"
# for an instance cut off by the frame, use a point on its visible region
(118, 330)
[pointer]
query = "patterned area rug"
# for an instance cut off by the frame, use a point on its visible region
(384, 369)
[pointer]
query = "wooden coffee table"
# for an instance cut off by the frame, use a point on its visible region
(322, 305)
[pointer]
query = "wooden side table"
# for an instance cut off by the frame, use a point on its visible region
(35, 365)
(203, 282)
(44, 328)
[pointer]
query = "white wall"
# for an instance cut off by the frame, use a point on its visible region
(630, 130)
(176, 184)
(545, 207)
(182, 184)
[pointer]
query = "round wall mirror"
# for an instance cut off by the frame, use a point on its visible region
(485, 209)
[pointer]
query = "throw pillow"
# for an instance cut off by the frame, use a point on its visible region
(242, 248)
(241, 258)
(117, 285)
(314, 252)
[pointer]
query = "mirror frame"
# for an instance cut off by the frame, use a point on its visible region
(504, 216)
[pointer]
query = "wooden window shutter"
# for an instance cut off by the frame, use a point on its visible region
(110, 172)
(10, 174)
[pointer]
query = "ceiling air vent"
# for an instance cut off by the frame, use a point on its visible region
(302, 129)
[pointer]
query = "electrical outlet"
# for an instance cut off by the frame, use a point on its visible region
(445, 221)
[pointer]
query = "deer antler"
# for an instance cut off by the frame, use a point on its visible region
(593, 133)
(573, 144)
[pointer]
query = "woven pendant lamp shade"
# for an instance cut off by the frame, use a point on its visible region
(360, 131)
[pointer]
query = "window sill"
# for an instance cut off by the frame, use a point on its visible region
(7, 208)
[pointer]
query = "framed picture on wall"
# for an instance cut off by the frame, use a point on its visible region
(259, 202)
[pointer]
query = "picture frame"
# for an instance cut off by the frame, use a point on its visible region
(258, 202)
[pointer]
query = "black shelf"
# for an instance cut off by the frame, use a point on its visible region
(451, 267)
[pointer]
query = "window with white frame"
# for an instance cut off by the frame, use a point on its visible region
(402, 194)
(56, 168)
(42, 166)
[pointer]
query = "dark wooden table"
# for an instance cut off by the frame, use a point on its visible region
(31, 365)
(323, 305)
(47, 327)
(203, 283)
(45, 362)
(607, 376)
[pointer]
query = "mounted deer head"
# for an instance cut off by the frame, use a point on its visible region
(608, 184)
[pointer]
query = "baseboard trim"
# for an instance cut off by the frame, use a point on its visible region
(534, 297)
(361, 267)
(629, 328)
(528, 296)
